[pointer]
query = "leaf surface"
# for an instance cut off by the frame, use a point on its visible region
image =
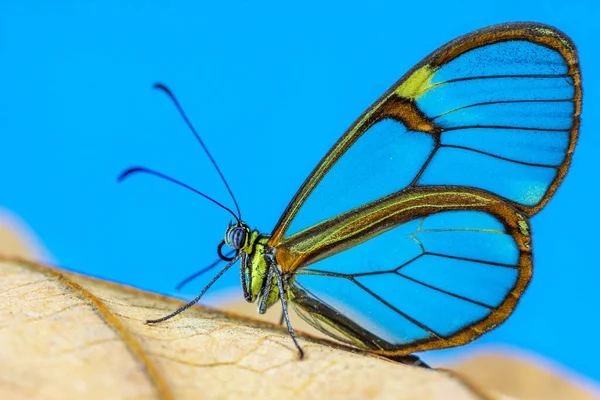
(68, 336)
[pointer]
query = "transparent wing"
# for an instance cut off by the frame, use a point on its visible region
(432, 282)
(412, 233)
(496, 110)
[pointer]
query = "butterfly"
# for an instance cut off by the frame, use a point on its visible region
(413, 232)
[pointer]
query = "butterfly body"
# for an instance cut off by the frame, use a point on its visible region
(255, 263)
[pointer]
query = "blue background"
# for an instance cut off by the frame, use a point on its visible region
(270, 87)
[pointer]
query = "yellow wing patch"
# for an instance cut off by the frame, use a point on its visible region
(418, 83)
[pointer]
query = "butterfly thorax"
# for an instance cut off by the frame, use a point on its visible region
(256, 258)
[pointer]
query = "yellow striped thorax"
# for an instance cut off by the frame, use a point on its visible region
(254, 264)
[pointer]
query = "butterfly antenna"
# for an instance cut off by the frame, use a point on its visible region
(134, 170)
(165, 89)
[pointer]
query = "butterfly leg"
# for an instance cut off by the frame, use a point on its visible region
(197, 298)
(286, 316)
(262, 308)
(282, 318)
(243, 269)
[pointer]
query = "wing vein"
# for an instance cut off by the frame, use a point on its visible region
(524, 128)
(445, 292)
(308, 271)
(453, 146)
(463, 230)
(528, 76)
(472, 260)
(425, 165)
(414, 321)
(487, 103)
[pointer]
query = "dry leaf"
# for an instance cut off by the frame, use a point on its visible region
(524, 378)
(67, 336)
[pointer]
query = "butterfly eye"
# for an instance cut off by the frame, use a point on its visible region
(236, 237)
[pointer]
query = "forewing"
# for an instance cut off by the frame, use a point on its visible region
(496, 110)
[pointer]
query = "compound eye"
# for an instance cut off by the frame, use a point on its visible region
(237, 237)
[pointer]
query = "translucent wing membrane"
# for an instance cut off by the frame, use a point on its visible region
(382, 161)
(505, 111)
(412, 233)
(496, 110)
(419, 285)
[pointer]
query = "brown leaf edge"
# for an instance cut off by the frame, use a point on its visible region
(150, 368)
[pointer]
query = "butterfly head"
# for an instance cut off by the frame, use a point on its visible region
(237, 235)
